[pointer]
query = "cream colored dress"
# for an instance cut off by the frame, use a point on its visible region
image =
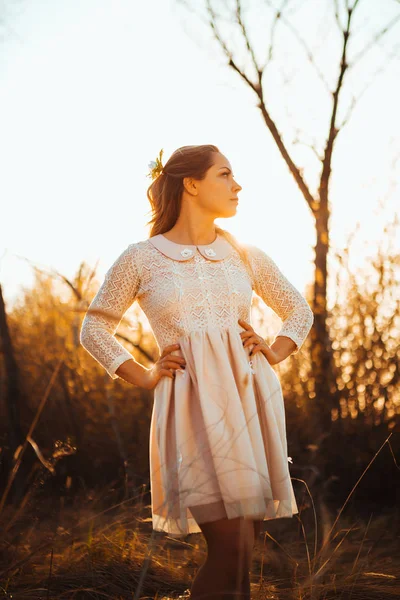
(218, 434)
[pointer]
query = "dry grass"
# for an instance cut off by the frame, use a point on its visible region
(116, 554)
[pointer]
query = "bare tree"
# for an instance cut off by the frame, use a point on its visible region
(318, 202)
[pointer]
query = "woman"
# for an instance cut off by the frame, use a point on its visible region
(218, 449)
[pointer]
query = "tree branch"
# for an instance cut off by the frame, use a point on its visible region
(273, 30)
(333, 130)
(308, 52)
(298, 140)
(247, 40)
(374, 40)
(337, 16)
(285, 154)
(378, 71)
(257, 88)
(231, 63)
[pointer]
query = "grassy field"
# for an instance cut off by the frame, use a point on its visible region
(87, 551)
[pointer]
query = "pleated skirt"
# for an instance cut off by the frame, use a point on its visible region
(218, 446)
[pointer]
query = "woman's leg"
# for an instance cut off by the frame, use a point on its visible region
(246, 579)
(225, 573)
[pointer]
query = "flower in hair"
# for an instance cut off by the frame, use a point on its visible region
(156, 167)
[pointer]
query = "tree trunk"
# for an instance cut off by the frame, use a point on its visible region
(13, 399)
(321, 350)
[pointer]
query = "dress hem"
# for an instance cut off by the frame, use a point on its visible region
(169, 526)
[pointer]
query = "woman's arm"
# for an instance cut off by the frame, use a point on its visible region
(285, 300)
(116, 294)
(283, 346)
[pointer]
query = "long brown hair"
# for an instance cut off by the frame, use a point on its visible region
(165, 192)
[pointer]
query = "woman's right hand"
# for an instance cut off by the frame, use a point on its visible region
(166, 366)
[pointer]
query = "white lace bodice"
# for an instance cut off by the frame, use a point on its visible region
(181, 289)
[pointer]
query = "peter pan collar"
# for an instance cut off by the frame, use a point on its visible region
(220, 248)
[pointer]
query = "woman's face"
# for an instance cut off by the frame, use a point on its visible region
(217, 193)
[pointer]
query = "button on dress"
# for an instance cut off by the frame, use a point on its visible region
(218, 446)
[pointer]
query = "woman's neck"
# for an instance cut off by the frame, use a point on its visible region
(194, 237)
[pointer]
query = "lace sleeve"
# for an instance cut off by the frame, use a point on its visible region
(116, 294)
(284, 299)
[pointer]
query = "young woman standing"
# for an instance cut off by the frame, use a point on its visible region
(218, 448)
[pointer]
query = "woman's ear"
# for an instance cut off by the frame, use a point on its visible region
(190, 186)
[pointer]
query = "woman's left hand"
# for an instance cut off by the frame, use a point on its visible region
(251, 337)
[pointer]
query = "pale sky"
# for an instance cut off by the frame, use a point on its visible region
(90, 91)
